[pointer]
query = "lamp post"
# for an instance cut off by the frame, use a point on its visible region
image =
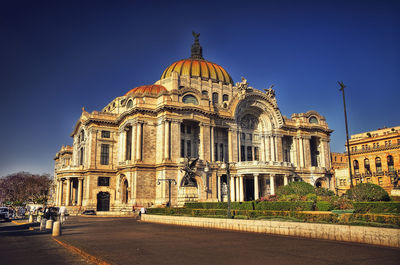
(169, 188)
(342, 87)
(226, 165)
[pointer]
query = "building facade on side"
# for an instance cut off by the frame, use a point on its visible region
(375, 158)
(122, 156)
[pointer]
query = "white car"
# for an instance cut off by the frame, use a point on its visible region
(4, 214)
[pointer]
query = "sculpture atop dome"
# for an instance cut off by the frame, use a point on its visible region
(197, 50)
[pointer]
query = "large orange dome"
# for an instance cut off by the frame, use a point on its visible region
(148, 89)
(196, 66)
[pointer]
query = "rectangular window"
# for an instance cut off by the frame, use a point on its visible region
(189, 148)
(103, 181)
(188, 129)
(242, 153)
(243, 136)
(221, 152)
(81, 154)
(249, 153)
(105, 134)
(182, 148)
(380, 181)
(182, 128)
(104, 154)
(216, 152)
(256, 154)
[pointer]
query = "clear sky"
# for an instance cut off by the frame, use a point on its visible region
(60, 56)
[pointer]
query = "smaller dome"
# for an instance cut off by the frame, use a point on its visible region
(147, 89)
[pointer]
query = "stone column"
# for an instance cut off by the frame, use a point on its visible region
(256, 190)
(239, 141)
(307, 152)
(241, 191)
(167, 140)
(120, 147)
(322, 153)
(123, 154)
(267, 148)
(60, 196)
(68, 193)
(134, 142)
(232, 184)
(139, 129)
(285, 180)
(230, 149)
(176, 140)
(272, 184)
(212, 143)
(80, 189)
(262, 151)
(202, 141)
(301, 152)
(219, 188)
(272, 148)
(237, 188)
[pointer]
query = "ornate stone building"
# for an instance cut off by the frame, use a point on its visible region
(375, 158)
(121, 156)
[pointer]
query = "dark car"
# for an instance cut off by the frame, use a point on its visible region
(89, 212)
(51, 213)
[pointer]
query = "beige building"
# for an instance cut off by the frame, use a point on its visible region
(122, 155)
(375, 158)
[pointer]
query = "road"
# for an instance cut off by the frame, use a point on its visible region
(127, 241)
(19, 245)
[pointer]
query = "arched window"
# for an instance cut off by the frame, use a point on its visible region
(225, 97)
(356, 167)
(366, 165)
(313, 120)
(215, 98)
(81, 156)
(378, 164)
(390, 163)
(190, 99)
(129, 104)
(204, 93)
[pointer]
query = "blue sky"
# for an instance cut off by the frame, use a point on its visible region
(60, 56)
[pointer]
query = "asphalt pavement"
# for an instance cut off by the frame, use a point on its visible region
(128, 241)
(19, 245)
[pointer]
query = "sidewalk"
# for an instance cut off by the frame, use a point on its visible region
(127, 241)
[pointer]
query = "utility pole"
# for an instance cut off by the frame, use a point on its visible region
(342, 87)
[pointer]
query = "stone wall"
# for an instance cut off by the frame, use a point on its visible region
(358, 234)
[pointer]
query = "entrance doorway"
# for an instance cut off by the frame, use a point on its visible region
(249, 188)
(103, 201)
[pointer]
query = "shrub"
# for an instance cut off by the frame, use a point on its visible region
(285, 206)
(342, 204)
(367, 192)
(324, 192)
(299, 188)
(377, 207)
(220, 205)
(324, 206)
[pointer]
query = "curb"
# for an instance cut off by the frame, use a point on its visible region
(82, 253)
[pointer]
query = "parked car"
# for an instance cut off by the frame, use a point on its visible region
(89, 212)
(51, 213)
(4, 214)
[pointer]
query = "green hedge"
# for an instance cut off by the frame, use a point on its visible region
(324, 206)
(370, 218)
(263, 205)
(285, 206)
(220, 205)
(377, 207)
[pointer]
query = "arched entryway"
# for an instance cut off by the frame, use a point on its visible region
(321, 183)
(103, 201)
(125, 191)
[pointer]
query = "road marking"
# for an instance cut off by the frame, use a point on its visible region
(82, 253)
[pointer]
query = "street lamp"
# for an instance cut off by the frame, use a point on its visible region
(226, 165)
(169, 188)
(342, 87)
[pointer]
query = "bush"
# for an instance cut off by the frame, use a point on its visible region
(285, 206)
(377, 207)
(324, 206)
(324, 192)
(220, 205)
(370, 218)
(367, 192)
(342, 204)
(298, 188)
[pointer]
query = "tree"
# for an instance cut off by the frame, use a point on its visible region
(367, 192)
(24, 187)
